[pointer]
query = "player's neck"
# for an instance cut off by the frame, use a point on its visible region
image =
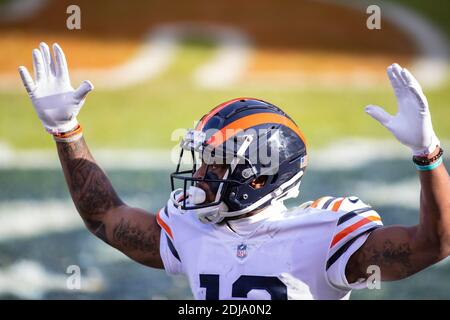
(248, 223)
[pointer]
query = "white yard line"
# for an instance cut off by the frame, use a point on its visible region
(431, 66)
(28, 279)
(109, 159)
(158, 52)
(233, 53)
(153, 57)
(404, 194)
(362, 152)
(230, 61)
(25, 219)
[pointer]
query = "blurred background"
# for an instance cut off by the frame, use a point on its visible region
(160, 65)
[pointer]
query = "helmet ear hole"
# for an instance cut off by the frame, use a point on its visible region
(258, 182)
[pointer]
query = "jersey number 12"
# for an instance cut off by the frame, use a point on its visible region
(243, 285)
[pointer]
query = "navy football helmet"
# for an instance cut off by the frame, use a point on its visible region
(256, 141)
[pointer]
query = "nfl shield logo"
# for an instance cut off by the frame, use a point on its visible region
(241, 251)
(303, 162)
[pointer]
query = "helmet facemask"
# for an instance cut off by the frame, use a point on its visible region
(262, 148)
(245, 185)
(192, 198)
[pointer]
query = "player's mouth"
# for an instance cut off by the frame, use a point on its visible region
(210, 196)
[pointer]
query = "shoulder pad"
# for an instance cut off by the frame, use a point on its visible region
(305, 205)
(338, 203)
(163, 220)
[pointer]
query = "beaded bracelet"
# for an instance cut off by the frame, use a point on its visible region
(422, 161)
(424, 164)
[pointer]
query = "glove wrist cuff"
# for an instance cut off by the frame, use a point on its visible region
(421, 161)
(428, 163)
(434, 145)
(63, 128)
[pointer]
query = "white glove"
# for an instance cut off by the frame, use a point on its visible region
(412, 123)
(55, 101)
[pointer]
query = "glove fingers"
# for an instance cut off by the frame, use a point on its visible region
(38, 64)
(396, 82)
(422, 101)
(415, 88)
(48, 63)
(61, 64)
(396, 70)
(84, 88)
(26, 79)
(378, 114)
(410, 79)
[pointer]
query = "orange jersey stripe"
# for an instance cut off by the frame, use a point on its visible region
(252, 120)
(214, 111)
(337, 204)
(163, 225)
(316, 202)
(352, 228)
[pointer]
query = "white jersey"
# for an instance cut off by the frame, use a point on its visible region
(299, 253)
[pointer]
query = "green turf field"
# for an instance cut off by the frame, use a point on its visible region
(144, 116)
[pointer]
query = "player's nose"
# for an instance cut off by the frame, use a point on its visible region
(200, 173)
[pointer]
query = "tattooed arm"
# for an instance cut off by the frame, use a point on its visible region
(130, 230)
(402, 251)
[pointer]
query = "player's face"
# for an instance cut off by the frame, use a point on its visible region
(212, 171)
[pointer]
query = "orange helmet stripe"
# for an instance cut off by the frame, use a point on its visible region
(250, 121)
(214, 111)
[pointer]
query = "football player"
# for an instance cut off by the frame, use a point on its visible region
(227, 228)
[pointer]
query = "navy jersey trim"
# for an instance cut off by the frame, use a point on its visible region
(172, 248)
(353, 214)
(345, 246)
(328, 202)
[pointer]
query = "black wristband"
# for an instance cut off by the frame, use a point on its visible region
(425, 161)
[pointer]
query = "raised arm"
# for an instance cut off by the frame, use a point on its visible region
(401, 251)
(132, 231)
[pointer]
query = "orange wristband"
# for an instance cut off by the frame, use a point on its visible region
(69, 136)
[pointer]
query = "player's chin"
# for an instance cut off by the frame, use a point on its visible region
(210, 198)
